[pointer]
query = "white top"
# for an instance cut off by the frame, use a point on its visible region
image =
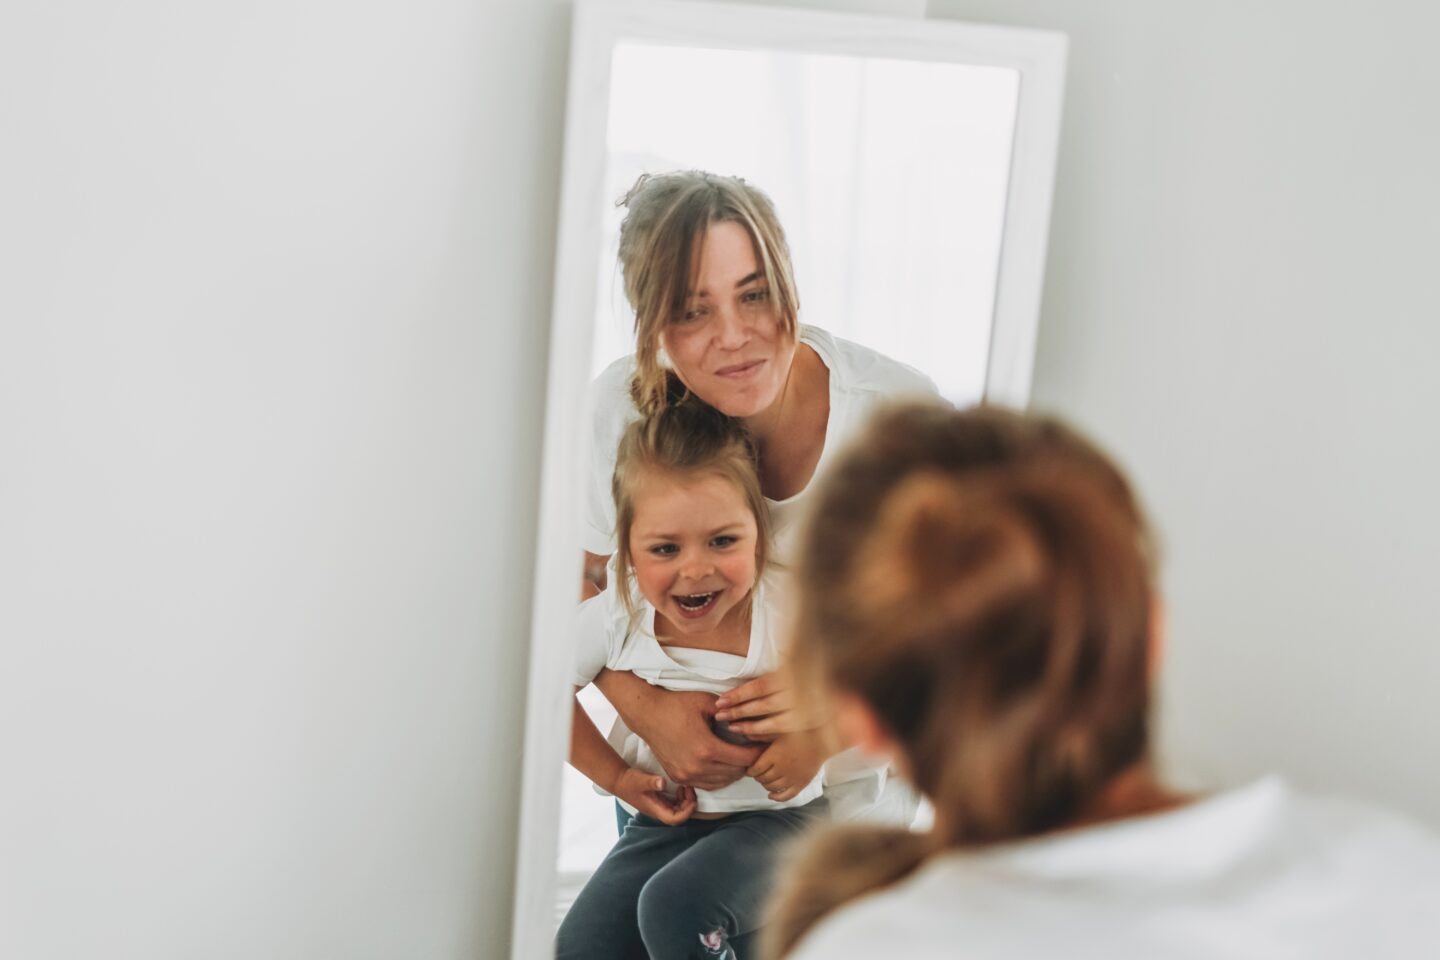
(607, 640)
(860, 380)
(1260, 872)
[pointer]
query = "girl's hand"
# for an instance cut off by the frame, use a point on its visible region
(646, 793)
(763, 708)
(789, 764)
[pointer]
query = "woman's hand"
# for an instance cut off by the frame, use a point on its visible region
(789, 764)
(646, 793)
(764, 708)
(676, 726)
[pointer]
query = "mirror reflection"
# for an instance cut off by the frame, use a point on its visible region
(798, 239)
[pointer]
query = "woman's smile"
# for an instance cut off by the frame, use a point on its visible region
(741, 371)
(729, 346)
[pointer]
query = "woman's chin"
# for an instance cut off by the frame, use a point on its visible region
(741, 404)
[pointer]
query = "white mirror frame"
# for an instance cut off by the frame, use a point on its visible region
(598, 25)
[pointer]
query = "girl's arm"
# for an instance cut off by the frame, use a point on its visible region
(592, 582)
(593, 756)
(765, 708)
(791, 760)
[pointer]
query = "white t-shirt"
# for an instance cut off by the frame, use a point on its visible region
(1258, 873)
(860, 381)
(607, 639)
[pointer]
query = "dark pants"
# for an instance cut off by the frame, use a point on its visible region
(696, 890)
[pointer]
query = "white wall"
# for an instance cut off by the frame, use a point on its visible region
(1241, 301)
(274, 300)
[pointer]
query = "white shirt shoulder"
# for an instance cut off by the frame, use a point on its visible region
(611, 411)
(600, 629)
(1262, 871)
(855, 368)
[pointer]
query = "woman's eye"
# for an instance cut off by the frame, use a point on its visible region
(755, 296)
(691, 315)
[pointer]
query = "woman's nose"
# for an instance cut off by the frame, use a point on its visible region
(733, 329)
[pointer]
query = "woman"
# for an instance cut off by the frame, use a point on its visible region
(977, 598)
(707, 270)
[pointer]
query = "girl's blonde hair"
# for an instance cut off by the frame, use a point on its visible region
(687, 439)
(982, 580)
(660, 242)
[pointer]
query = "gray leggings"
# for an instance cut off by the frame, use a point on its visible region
(696, 890)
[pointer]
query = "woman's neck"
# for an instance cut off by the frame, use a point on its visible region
(789, 434)
(1133, 793)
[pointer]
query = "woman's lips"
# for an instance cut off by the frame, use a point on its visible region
(738, 371)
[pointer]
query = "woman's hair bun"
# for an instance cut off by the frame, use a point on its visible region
(947, 553)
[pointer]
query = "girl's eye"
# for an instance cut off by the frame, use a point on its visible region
(723, 541)
(663, 549)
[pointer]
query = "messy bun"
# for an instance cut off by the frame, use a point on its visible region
(982, 581)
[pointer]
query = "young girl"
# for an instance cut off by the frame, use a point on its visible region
(977, 598)
(687, 609)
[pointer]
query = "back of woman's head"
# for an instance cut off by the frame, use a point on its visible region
(981, 581)
(667, 216)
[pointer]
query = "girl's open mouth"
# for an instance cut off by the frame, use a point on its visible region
(693, 605)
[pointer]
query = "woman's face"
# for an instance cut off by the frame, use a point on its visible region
(727, 345)
(692, 547)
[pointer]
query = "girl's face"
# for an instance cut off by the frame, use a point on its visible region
(692, 547)
(727, 345)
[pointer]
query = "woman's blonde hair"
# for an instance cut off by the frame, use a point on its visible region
(687, 439)
(660, 241)
(982, 580)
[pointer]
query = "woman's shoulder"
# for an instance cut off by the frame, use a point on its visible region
(875, 926)
(858, 368)
(609, 392)
(611, 409)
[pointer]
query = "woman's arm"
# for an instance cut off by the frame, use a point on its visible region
(594, 757)
(593, 581)
(676, 726)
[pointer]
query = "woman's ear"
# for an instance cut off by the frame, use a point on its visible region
(860, 727)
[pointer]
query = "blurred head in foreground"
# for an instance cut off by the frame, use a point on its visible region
(976, 598)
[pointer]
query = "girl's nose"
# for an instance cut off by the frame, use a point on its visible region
(696, 569)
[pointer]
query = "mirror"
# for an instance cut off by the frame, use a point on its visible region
(909, 164)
